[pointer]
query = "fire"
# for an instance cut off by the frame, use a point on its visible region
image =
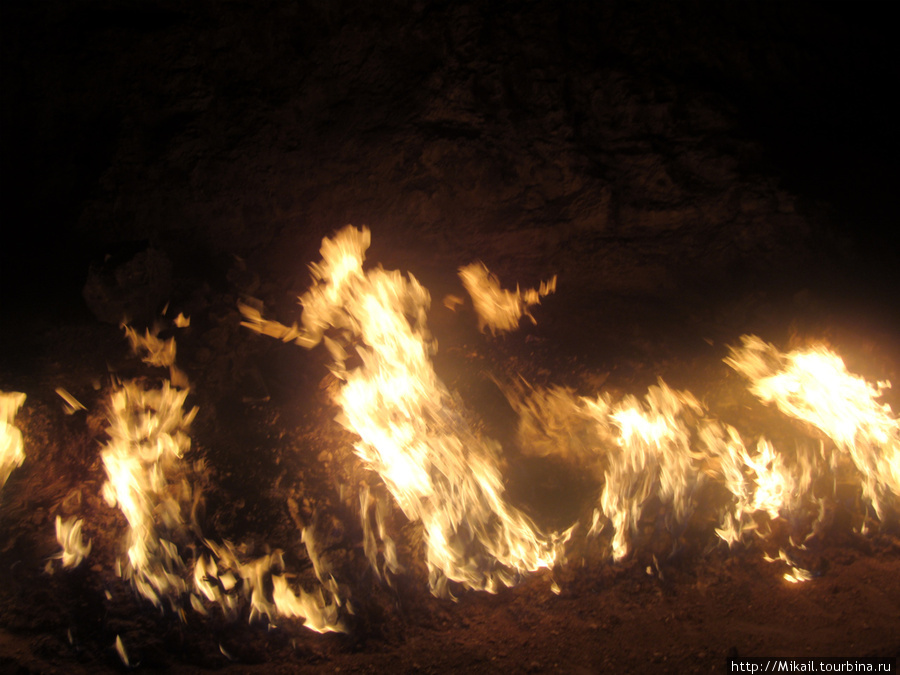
(411, 430)
(12, 449)
(223, 574)
(813, 385)
(797, 575)
(654, 459)
(73, 405)
(68, 534)
(147, 478)
(498, 309)
(153, 484)
(640, 451)
(663, 450)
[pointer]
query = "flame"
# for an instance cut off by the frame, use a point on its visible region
(157, 352)
(640, 450)
(651, 456)
(73, 405)
(120, 650)
(68, 534)
(796, 575)
(411, 430)
(659, 450)
(220, 576)
(662, 450)
(147, 478)
(12, 449)
(813, 385)
(498, 309)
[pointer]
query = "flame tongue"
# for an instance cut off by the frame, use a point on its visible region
(499, 309)
(814, 386)
(68, 534)
(12, 452)
(411, 431)
(653, 456)
(147, 480)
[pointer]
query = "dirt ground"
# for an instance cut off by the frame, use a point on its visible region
(691, 173)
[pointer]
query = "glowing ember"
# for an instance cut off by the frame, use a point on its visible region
(12, 450)
(498, 309)
(813, 385)
(411, 431)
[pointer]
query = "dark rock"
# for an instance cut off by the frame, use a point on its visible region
(129, 285)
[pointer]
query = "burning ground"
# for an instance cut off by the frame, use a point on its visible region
(605, 385)
(282, 523)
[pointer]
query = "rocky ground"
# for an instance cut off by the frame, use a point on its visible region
(691, 172)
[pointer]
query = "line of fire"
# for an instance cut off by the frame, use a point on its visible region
(446, 337)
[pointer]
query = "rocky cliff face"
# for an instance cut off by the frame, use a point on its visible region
(630, 146)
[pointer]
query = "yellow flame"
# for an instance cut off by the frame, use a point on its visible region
(660, 450)
(12, 449)
(411, 431)
(120, 650)
(814, 386)
(146, 479)
(499, 309)
(220, 577)
(73, 405)
(158, 352)
(68, 534)
(656, 450)
(796, 575)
